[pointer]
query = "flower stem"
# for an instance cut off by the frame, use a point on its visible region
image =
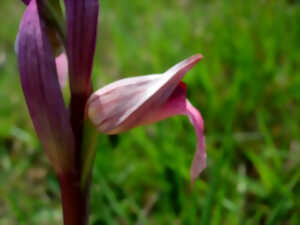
(75, 200)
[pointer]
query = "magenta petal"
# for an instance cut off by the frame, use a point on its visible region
(42, 91)
(199, 161)
(62, 69)
(82, 22)
(61, 65)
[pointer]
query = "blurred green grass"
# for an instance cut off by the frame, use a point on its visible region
(247, 88)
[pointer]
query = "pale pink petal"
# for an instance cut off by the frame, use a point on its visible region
(123, 104)
(62, 69)
(175, 105)
(161, 90)
(109, 106)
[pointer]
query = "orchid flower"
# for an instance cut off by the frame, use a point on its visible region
(51, 48)
(142, 100)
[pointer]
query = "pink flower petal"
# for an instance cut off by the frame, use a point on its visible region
(62, 69)
(122, 105)
(143, 100)
(199, 161)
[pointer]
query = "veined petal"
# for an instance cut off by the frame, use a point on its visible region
(55, 43)
(42, 91)
(82, 22)
(53, 37)
(61, 65)
(111, 106)
(123, 104)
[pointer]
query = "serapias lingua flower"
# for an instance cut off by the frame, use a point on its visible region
(142, 100)
(64, 131)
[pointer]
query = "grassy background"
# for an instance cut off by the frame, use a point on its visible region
(247, 88)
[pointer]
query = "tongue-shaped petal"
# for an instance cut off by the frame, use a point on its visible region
(199, 161)
(42, 91)
(177, 104)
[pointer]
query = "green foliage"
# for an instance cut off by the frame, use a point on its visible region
(247, 88)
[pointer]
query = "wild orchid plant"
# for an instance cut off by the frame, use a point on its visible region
(52, 45)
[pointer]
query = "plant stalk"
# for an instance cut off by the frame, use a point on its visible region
(75, 200)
